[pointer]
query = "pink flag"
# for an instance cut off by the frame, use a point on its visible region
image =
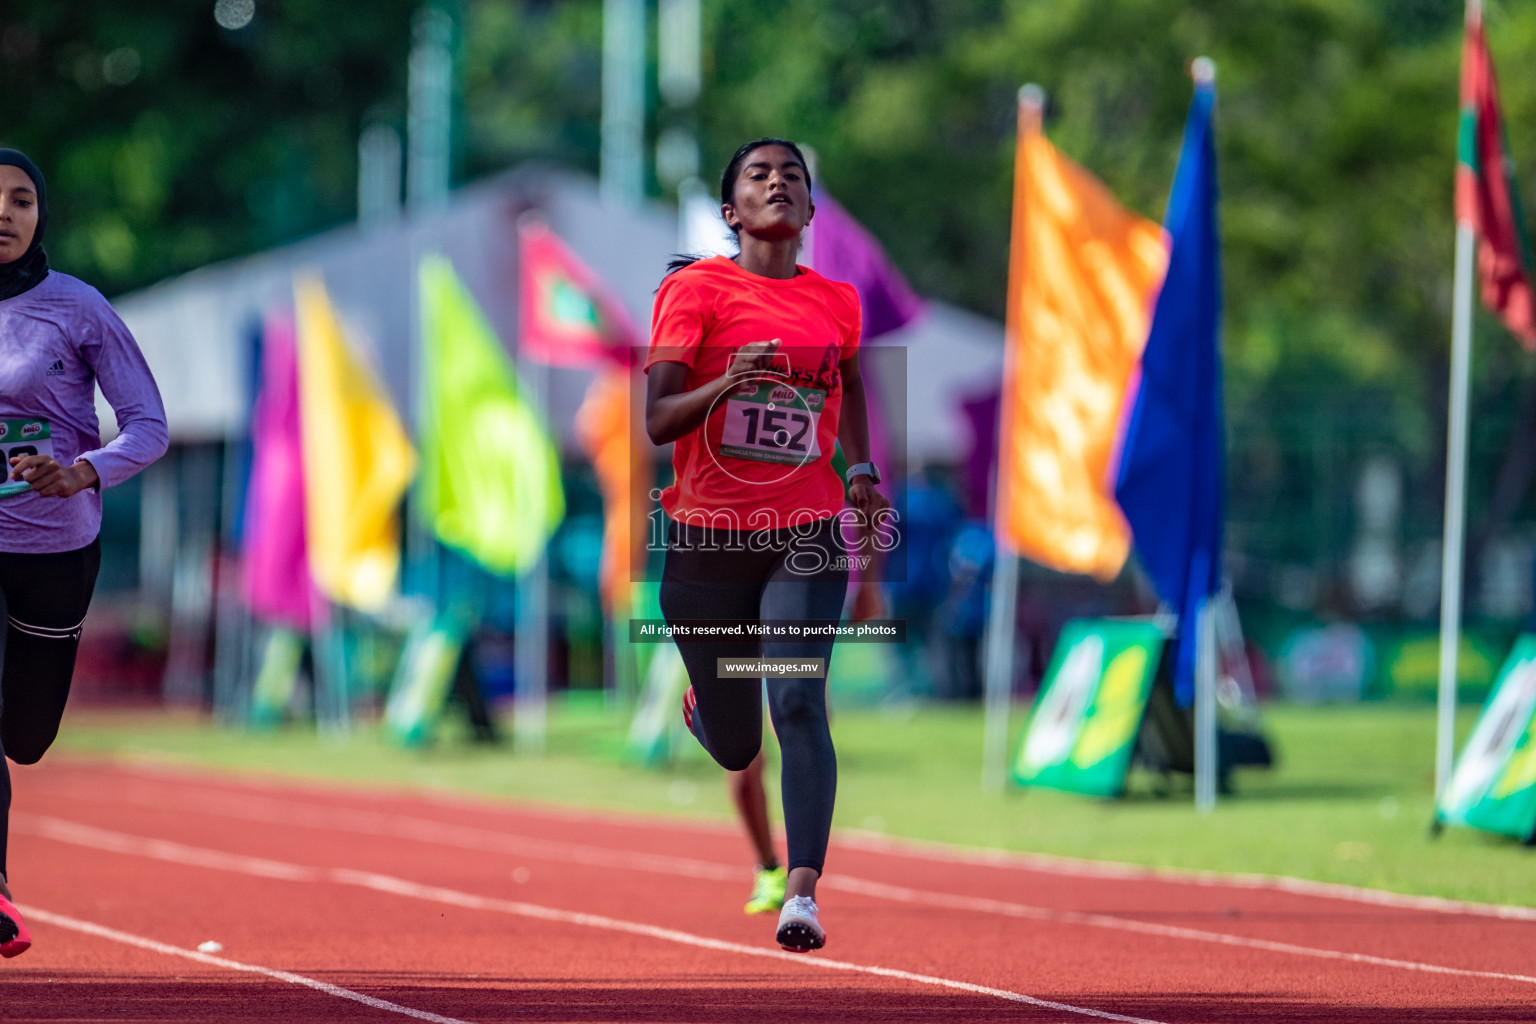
(275, 576)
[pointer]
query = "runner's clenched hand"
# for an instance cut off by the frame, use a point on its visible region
(50, 479)
(863, 496)
(755, 358)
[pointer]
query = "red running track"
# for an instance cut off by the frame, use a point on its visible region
(330, 904)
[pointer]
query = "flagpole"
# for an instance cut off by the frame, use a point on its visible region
(1000, 643)
(680, 80)
(1455, 506)
(1206, 736)
(1203, 70)
(428, 135)
(1455, 488)
(1002, 631)
(531, 644)
(621, 165)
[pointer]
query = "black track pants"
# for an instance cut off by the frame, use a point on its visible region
(802, 577)
(43, 599)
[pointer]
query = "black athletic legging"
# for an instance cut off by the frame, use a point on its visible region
(769, 575)
(44, 598)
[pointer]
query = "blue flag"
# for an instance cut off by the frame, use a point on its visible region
(1170, 482)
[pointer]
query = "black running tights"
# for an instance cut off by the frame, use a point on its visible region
(43, 599)
(800, 578)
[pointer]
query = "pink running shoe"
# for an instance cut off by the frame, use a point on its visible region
(14, 937)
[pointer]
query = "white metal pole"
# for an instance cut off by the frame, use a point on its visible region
(622, 160)
(679, 57)
(531, 653)
(1205, 708)
(1203, 70)
(680, 79)
(427, 177)
(378, 175)
(231, 636)
(999, 693)
(1001, 624)
(1455, 507)
(428, 127)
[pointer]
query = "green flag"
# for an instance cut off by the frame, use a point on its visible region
(1494, 784)
(490, 482)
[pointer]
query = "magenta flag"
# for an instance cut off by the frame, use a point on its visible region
(842, 250)
(275, 578)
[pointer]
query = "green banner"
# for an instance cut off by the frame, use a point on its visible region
(422, 681)
(657, 731)
(277, 677)
(1082, 730)
(1494, 784)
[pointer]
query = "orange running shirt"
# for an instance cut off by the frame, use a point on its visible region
(763, 458)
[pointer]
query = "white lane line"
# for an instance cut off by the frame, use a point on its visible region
(918, 849)
(156, 766)
(266, 810)
(436, 894)
(990, 906)
(374, 823)
(164, 849)
(101, 931)
(1045, 863)
(117, 842)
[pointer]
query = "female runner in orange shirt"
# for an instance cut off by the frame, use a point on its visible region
(753, 375)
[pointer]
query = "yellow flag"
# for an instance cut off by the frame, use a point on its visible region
(1083, 273)
(357, 460)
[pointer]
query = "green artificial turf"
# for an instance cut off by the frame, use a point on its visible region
(1350, 800)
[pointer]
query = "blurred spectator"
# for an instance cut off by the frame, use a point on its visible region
(925, 540)
(962, 617)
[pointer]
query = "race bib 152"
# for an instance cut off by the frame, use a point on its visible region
(773, 423)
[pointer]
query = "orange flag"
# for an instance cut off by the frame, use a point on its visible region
(1082, 275)
(606, 430)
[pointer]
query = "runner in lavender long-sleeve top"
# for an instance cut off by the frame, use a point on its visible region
(57, 343)
(59, 339)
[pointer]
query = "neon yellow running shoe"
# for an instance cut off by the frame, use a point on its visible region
(767, 891)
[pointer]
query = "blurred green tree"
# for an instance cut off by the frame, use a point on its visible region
(170, 141)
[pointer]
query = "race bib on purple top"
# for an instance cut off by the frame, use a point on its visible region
(20, 438)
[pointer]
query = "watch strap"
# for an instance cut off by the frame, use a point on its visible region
(862, 467)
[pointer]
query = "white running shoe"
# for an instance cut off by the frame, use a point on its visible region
(799, 931)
